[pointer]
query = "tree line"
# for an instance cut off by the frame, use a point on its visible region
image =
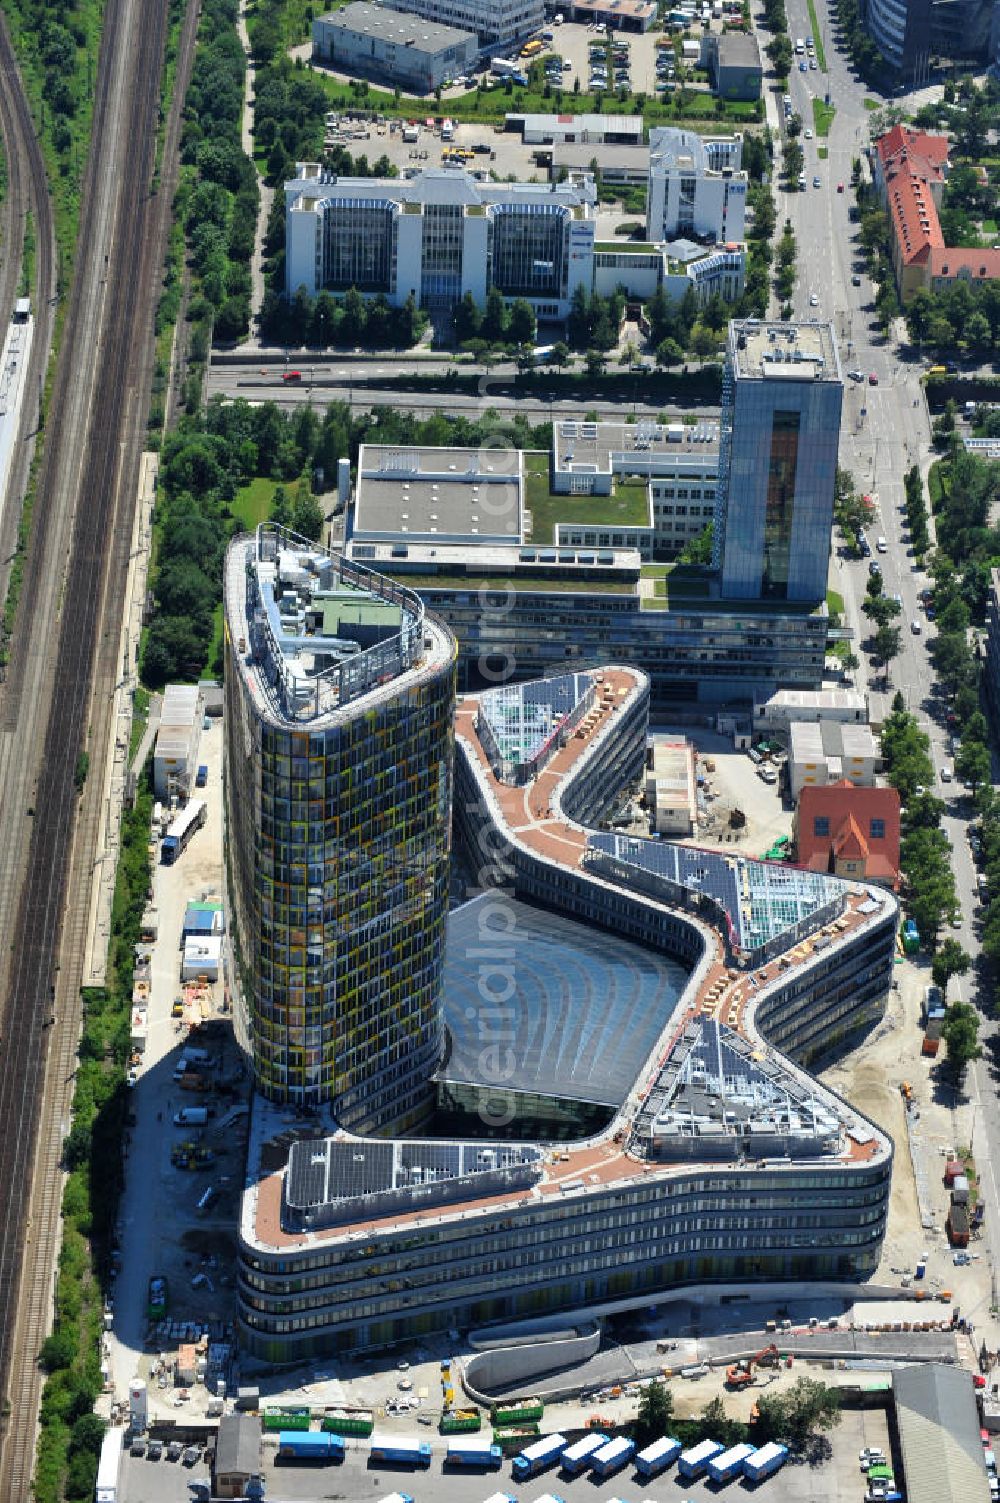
(217, 199)
(206, 460)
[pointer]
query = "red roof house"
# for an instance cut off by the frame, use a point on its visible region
(850, 832)
(910, 169)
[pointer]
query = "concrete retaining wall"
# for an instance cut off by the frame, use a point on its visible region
(506, 1366)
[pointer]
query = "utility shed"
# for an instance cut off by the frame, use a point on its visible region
(938, 1425)
(237, 1454)
(175, 756)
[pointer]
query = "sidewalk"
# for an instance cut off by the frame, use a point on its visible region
(266, 193)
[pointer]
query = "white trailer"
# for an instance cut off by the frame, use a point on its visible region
(106, 1490)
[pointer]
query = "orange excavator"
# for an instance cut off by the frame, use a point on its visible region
(741, 1373)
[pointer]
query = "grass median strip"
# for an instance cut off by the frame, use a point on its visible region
(817, 37)
(823, 117)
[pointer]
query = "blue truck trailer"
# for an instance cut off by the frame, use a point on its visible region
(408, 1450)
(612, 1457)
(310, 1445)
(693, 1462)
(765, 1461)
(658, 1456)
(474, 1451)
(729, 1464)
(536, 1457)
(577, 1457)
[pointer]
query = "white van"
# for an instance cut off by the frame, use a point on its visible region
(800, 46)
(882, 545)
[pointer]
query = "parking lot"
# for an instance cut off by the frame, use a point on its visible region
(835, 1479)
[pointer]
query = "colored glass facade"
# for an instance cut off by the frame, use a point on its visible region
(338, 847)
(780, 431)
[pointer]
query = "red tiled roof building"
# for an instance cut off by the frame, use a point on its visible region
(850, 832)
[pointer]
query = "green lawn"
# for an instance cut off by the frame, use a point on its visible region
(990, 228)
(823, 117)
(817, 37)
(673, 584)
(834, 603)
(252, 503)
(822, 152)
(493, 104)
(627, 507)
(873, 104)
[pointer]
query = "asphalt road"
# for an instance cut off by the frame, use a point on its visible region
(886, 428)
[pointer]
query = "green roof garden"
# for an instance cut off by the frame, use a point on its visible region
(627, 507)
(502, 582)
(634, 247)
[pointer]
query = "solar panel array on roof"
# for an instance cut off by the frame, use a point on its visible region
(763, 901)
(332, 1180)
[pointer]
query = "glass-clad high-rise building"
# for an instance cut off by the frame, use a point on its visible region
(780, 431)
(340, 695)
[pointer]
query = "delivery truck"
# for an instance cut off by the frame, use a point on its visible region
(613, 1456)
(473, 1451)
(407, 1449)
(658, 1456)
(191, 1116)
(535, 1458)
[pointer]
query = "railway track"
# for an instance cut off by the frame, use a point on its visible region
(27, 191)
(86, 496)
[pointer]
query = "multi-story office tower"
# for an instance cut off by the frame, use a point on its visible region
(695, 186)
(909, 33)
(438, 236)
(339, 700)
(781, 403)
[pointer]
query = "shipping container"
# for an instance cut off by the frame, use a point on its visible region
(512, 1441)
(460, 1421)
(349, 1421)
(612, 1457)
(473, 1450)
(404, 1448)
(765, 1461)
(310, 1445)
(578, 1456)
(957, 1226)
(297, 1417)
(657, 1457)
(535, 1458)
(694, 1462)
(501, 1498)
(518, 1412)
(730, 1464)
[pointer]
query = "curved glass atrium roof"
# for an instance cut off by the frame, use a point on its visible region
(542, 1004)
